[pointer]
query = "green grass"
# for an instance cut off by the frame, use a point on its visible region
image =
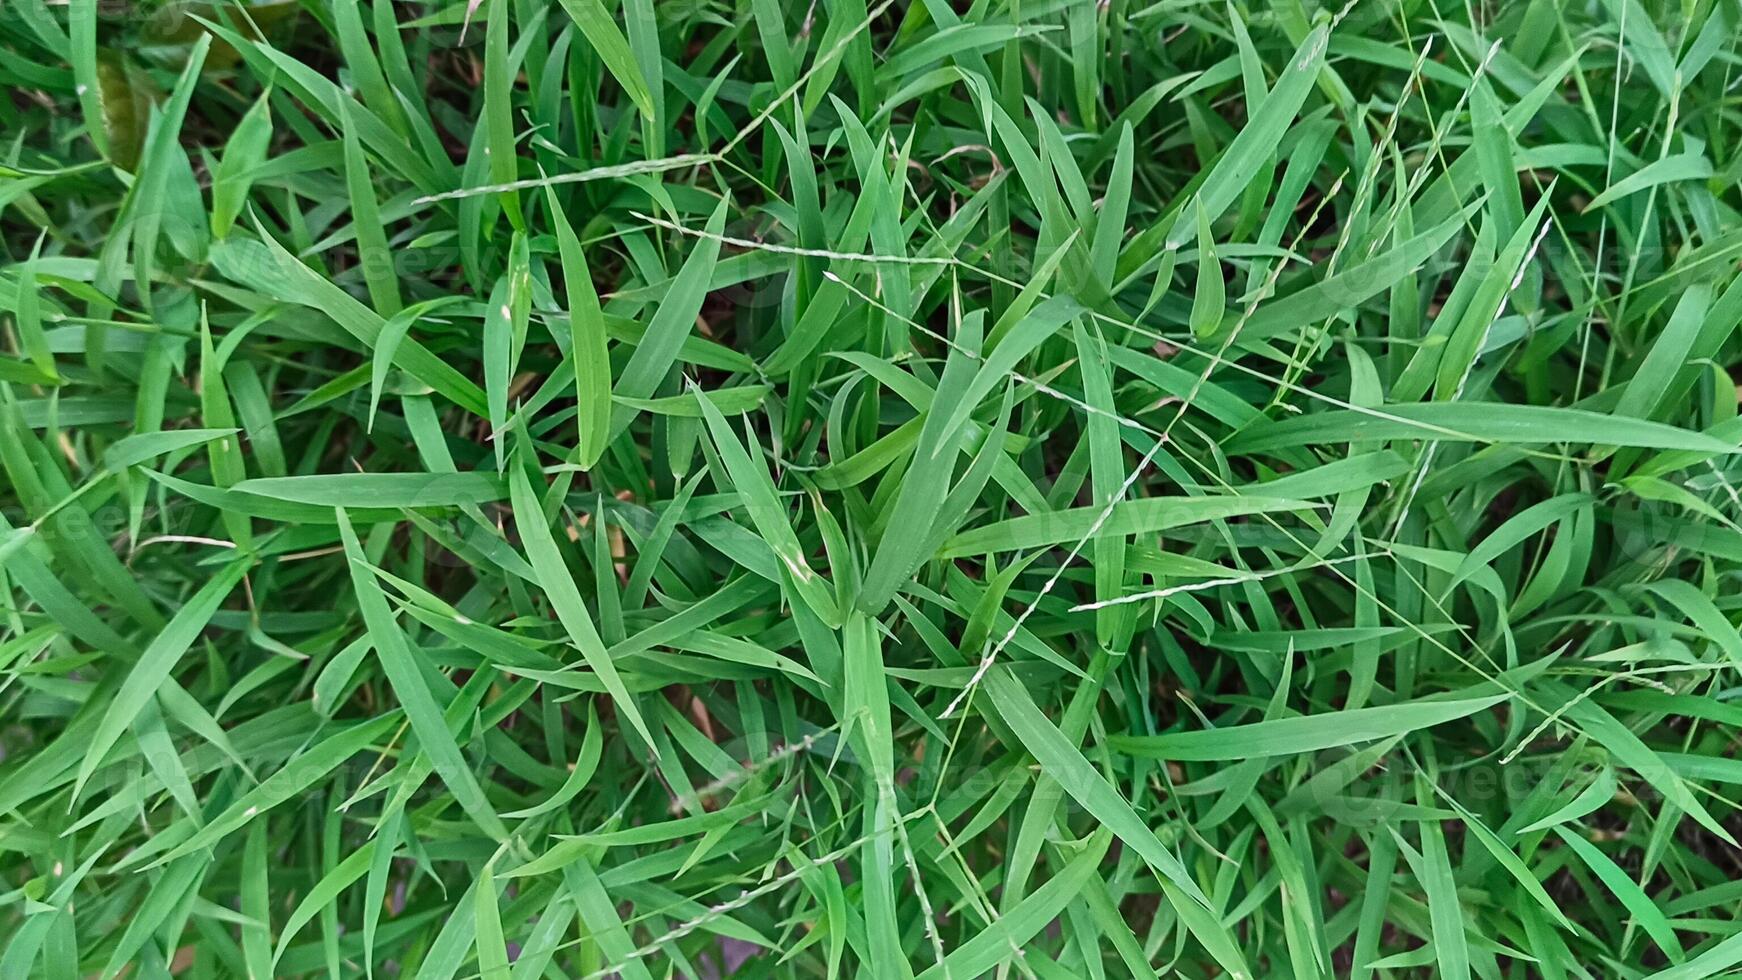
(925, 489)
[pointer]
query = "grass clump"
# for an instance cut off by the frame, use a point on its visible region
(521, 489)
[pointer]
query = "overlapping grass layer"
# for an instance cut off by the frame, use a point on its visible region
(616, 488)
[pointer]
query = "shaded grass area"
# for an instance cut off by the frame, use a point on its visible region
(606, 488)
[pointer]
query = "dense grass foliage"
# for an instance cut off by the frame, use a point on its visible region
(1037, 489)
